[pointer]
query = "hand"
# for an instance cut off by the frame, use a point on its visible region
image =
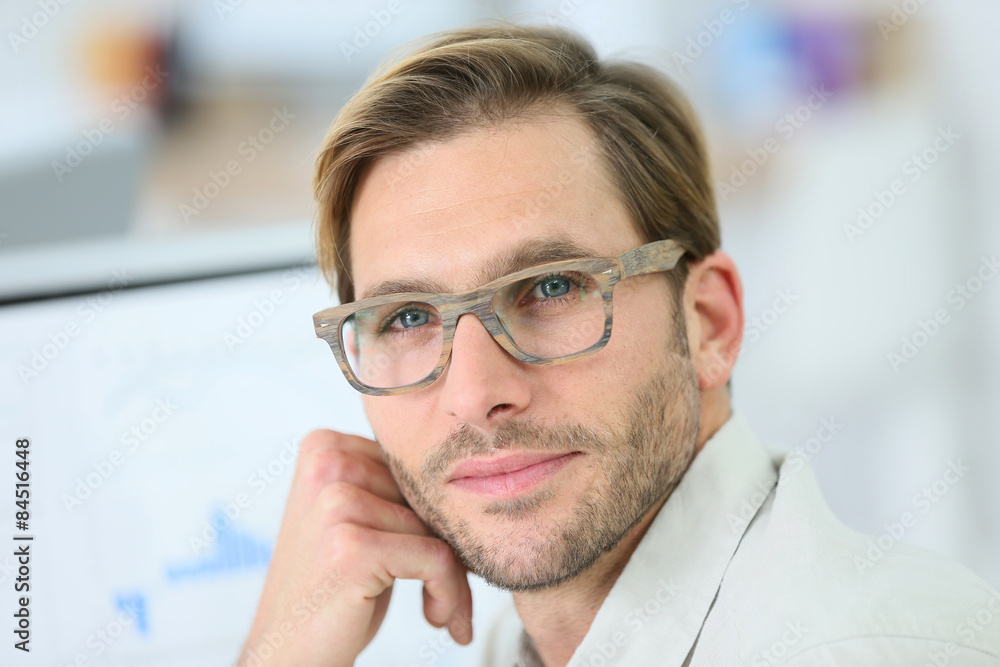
(346, 535)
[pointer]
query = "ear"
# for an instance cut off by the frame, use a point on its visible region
(713, 304)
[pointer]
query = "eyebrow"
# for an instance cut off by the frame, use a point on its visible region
(522, 256)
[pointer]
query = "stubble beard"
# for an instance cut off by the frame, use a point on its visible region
(643, 455)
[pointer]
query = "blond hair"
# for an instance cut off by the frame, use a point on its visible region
(647, 134)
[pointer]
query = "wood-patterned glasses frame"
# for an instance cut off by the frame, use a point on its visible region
(606, 271)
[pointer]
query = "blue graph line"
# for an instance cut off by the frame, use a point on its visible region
(231, 551)
(134, 604)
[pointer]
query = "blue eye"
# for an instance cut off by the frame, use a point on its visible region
(412, 318)
(551, 287)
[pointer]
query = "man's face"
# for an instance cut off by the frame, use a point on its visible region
(531, 473)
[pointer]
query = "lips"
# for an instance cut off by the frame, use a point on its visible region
(510, 475)
(500, 465)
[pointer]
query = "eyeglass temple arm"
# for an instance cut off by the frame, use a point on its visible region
(657, 256)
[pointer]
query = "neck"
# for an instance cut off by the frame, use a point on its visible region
(558, 618)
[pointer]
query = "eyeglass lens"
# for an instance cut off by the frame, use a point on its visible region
(549, 315)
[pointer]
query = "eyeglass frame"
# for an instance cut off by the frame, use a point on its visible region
(649, 258)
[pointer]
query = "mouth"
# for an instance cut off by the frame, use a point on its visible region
(509, 476)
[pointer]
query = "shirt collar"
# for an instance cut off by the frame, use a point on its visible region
(661, 599)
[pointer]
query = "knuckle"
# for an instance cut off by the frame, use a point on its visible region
(319, 439)
(331, 465)
(335, 501)
(347, 543)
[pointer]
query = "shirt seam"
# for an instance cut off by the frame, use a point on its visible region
(891, 636)
(773, 491)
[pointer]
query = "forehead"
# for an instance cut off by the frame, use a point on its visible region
(442, 210)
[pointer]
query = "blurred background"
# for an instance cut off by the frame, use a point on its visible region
(157, 279)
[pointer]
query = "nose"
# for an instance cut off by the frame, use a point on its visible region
(482, 382)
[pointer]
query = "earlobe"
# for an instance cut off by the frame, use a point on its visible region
(714, 296)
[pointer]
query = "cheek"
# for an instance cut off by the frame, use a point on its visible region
(373, 413)
(402, 425)
(643, 321)
(582, 390)
(640, 336)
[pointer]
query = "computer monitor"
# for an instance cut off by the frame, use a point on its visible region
(164, 423)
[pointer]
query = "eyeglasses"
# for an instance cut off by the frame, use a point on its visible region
(545, 315)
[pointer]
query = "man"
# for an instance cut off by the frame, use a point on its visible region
(483, 203)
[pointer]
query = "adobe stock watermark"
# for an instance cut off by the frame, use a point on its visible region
(223, 8)
(371, 29)
(248, 150)
(798, 456)
(281, 632)
(776, 653)
(785, 127)
(795, 460)
(927, 329)
(713, 28)
(739, 520)
(435, 647)
(408, 162)
(966, 630)
(130, 439)
(667, 589)
(901, 14)
(581, 157)
(913, 169)
(760, 323)
(104, 637)
(753, 329)
(922, 501)
(121, 108)
(33, 24)
(95, 304)
(564, 10)
(259, 481)
(265, 307)
(606, 652)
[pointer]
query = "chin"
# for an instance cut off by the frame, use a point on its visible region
(524, 548)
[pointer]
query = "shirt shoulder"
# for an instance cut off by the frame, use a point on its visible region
(803, 588)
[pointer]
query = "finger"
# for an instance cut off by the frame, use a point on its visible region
(345, 441)
(390, 556)
(460, 622)
(320, 466)
(342, 502)
(460, 625)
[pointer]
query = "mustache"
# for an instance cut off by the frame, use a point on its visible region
(466, 441)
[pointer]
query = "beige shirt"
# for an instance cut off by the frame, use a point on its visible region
(746, 565)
